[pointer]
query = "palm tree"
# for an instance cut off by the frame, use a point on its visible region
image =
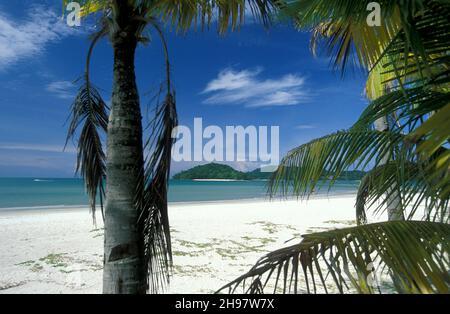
(407, 59)
(137, 253)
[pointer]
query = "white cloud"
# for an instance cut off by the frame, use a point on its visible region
(28, 38)
(38, 147)
(62, 89)
(231, 80)
(247, 88)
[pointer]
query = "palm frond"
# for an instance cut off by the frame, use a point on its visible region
(404, 256)
(90, 6)
(342, 27)
(431, 137)
(417, 59)
(434, 130)
(304, 167)
(410, 107)
(152, 196)
(90, 112)
(184, 14)
(410, 182)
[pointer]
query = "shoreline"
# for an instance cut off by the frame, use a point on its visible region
(61, 208)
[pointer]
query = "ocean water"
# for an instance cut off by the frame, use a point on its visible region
(24, 193)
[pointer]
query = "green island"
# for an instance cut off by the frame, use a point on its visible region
(213, 171)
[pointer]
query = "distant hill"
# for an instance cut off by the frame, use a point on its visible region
(219, 171)
(211, 171)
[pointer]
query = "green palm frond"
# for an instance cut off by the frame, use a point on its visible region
(435, 130)
(341, 39)
(184, 14)
(407, 58)
(90, 6)
(342, 27)
(410, 107)
(380, 185)
(90, 112)
(416, 60)
(152, 196)
(431, 137)
(410, 182)
(404, 256)
(304, 167)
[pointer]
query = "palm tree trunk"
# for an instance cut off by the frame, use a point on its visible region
(122, 260)
(394, 207)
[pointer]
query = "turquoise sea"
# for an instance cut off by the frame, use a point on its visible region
(25, 193)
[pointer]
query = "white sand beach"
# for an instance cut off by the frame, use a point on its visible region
(60, 250)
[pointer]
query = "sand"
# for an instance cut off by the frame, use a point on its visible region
(60, 250)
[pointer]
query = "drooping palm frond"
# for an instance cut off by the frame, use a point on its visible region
(430, 137)
(341, 40)
(184, 14)
(154, 216)
(404, 256)
(416, 59)
(152, 197)
(304, 167)
(342, 26)
(381, 185)
(409, 182)
(424, 114)
(411, 41)
(320, 163)
(407, 58)
(411, 107)
(89, 112)
(435, 130)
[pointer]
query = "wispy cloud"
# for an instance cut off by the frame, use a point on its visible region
(247, 88)
(28, 38)
(61, 89)
(38, 147)
(305, 126)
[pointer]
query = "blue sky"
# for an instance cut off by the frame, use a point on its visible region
(250, 77)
